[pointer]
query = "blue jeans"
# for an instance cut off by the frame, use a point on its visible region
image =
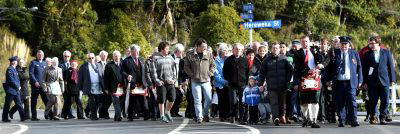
(197, 89)
(294, 104)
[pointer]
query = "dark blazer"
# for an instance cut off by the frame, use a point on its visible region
(63, 66)
(112, 76)
(383, 74)
(129, 68)
(236, 73)
(84, 82)
(71, 86)
(12, 84)
(277, 72)
(356, 76)
(24, 79)
(36, 71)
(301, 69)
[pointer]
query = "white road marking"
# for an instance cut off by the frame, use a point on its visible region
(180, 127)
(22, 129)
(252, 129)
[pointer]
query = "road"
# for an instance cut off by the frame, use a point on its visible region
(182, 125)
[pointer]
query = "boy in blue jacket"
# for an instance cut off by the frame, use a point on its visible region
(251, 98)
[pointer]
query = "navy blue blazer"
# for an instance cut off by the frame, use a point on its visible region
(12, 84)
(84, 82)
(36, 71)
(356, 76)
(385, 74)
(63, 66)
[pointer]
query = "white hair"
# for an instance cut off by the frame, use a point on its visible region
(238, 45)
(54, 61)
(66, 52)
(88, 55)
(116, 52)
(136, 47)
(222, 46)
(179, 47)
(102, 52)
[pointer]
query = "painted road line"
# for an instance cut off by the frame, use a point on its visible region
(180, 127)
(23, 128)
(252, 129)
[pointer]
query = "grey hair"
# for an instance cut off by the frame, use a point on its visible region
(66, 52)
(90, 54)
(238, 45)
(179, 47)
(222, 46)
(54, 61)
(102, 52)
(136, 47)
(116, 52)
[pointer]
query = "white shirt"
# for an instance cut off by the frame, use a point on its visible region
(377, 54)
(311, 61)
(94, 76)
(346, 75)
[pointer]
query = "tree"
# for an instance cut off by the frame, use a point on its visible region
(221, 24)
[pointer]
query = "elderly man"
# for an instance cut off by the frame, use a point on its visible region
(90, 82)
(114, 81)
(236, 71)
(182, 78)
(65, 65)
(106, 100)
(255, 47)
(199, 65)
(36, 71)
(133, 68)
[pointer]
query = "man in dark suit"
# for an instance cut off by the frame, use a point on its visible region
(378, 71)
(36, 71)
(133, 67)
(12, 87)
(90, 82)
(114, 80)
(65, 65)
(346, 75)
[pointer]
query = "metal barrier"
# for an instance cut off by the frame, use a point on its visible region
(393, 101)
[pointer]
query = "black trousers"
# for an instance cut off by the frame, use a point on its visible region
(177, 102)
(138, 104)
(223, 102)
(189, 113)
(69, 98)
(94, 102)
(69, 113)
(152, 104)
(252, 113)
(34, 97)
(25, 105)
(322, 109)
(236, 107)
(105, 104)
(278, 103)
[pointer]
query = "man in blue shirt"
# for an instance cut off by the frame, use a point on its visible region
(36, 71)
(12, 87)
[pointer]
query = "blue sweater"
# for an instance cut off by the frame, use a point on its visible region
(218, 75)
(251, 96)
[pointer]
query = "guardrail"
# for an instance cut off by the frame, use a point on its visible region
(393, 101)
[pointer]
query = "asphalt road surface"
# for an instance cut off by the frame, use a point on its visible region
(181, 125)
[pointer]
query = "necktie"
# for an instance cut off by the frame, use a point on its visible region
(343, 65)
(136, 61)
(306, 59)
(67, 65)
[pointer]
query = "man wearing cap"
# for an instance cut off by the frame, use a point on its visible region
(12, 87)
(379, 74)
(346, 75)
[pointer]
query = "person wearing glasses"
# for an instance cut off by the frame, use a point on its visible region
(90, 83)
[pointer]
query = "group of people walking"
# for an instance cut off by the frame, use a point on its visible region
(302, 82)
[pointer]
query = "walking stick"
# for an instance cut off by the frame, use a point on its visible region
(127, 96)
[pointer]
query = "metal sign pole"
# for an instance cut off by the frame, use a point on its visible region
(250, 30)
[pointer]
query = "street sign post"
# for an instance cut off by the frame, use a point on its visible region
(246, 16)
(262, 24)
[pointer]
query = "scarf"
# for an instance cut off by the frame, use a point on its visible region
(250, 62)
(74, 75)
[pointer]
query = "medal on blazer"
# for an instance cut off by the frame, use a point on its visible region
(354, 61)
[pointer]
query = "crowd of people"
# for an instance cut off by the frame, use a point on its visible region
(303, 81)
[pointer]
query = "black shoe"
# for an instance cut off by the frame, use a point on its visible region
(35, 119)
(106, 117)
(65, 118)
(354, 124)
(81, 118)
(178, 115)
(55, 118)
(130, 119)
(46, 117)
(71, 117)
(206, 119)
(295, 119)
(87, 114)
(146, 118)
(94, 118)
(340, 124)
(383, 122)
(23, 119)
(244, 123)
(305, 123)
(315, 125)
(388, 119)
(6, 120)
(276, 121)
(118, 119)
(11, 116)
(222, 119)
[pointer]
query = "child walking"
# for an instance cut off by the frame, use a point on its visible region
(251, 98)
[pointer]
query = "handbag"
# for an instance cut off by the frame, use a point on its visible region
(139, 90)
(120, 90)
(310, 82)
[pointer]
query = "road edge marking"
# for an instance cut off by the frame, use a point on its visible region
(180, 127)
(252, 129)
(23, 128)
